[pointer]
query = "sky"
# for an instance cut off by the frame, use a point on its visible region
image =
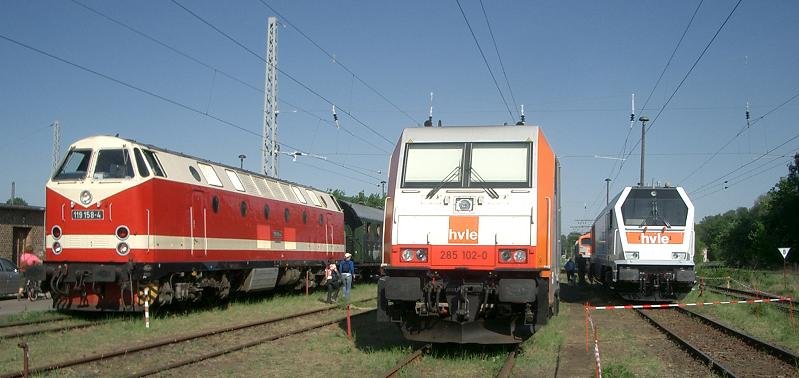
(154, 72)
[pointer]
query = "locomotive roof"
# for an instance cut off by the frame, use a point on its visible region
(470, 133)
(112, 139)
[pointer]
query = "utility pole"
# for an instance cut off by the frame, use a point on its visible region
(607, 191)
(271, 149)
(241, 158)
(644, 120)
(56, 143)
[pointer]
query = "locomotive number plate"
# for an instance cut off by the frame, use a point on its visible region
(457, 256)
(88, 214)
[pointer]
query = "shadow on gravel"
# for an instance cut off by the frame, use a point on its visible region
(594, 294)
(369, 334)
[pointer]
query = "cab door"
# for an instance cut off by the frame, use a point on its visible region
(199, 225)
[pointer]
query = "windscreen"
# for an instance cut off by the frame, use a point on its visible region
(585, 241)
(113, 164)
(654, 207)
(432, 163)
(75, 165)
(500, 163)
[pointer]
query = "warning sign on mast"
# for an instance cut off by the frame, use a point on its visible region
(784, 252)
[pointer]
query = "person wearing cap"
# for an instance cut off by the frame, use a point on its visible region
(347, 269)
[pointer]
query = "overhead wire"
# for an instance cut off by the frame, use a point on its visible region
(285, 20)
(142, 90)
(660, 77)
(747, 164)
(755, 172)
(504, 101)
(291, 77)
(214, 68)
(499, 56)
(685, 77)
(745, 128)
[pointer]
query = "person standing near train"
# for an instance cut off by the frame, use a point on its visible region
(347, 269)
(27, 260)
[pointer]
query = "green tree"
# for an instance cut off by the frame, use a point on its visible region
(372, 200)
(16, 201)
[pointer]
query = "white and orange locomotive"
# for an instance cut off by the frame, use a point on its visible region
(471, 231)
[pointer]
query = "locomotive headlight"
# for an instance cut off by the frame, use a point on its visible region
(407, 255)
(56, 232)
(122, 232)
(123, 249)
(505, 255)
(85, 197)
(57, 248)
(464, 204)
(632, 255)
(421, 254)
(679, 256)
(520, 256)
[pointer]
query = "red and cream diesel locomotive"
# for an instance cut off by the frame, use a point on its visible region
(128, 222)
(471, 231)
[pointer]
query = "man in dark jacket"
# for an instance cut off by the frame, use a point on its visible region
(347, 269)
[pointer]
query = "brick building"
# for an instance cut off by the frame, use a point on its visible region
(15, 224)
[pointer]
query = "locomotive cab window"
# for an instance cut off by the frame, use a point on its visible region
(140, 164)
(500, 164)
(113, 164)
(75, 165)
(154, 163)
(432, 164)
(652, 207)
(468, 165)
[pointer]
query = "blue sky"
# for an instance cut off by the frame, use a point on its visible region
(573, 65)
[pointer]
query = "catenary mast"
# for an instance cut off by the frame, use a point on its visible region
(270, 149)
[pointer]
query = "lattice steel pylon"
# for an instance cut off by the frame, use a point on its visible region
(56, 143)
(271, 149)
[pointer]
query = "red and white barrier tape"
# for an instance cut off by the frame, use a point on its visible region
(667, 305)
(596, 344)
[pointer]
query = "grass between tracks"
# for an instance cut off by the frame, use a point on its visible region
(765, 280)
(761, 320)
(129, 330)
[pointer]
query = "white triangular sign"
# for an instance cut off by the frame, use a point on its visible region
(784, 251)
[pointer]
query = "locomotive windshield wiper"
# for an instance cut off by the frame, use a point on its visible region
(448, 178)
(491, 192)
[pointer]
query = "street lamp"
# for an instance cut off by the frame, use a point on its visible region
(607, 191)
(241, 158)
(644, 120)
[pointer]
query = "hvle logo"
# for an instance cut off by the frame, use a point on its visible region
(463, 230)
(654, 239)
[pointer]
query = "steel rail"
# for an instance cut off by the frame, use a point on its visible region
(775, 350)
(32, 322)
(173, 340)
(751, 294)
(239, 347)
(745, 294)
(408, 359)
(507, 367)
(715, 365)
(57, 329)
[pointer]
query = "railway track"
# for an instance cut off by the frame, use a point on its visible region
(33, 322)
(726, 350)
(22, 329)
(219, 347)
(504, 372)
(757, 294)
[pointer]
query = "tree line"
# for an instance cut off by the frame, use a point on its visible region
(372, 200)
(751, 237)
